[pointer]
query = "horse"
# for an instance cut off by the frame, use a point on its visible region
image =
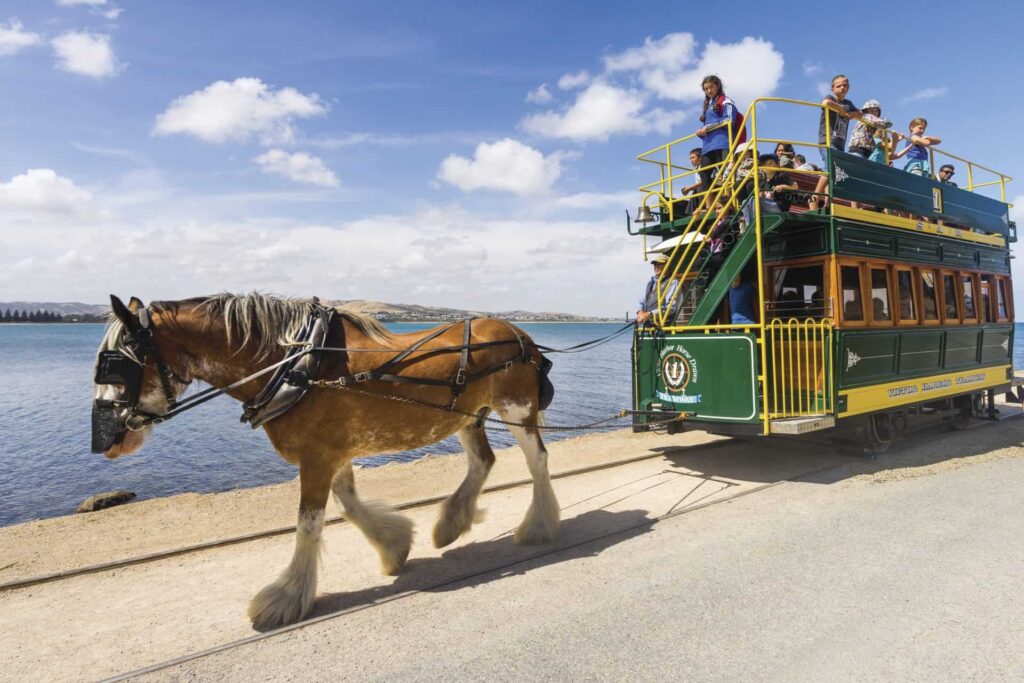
(225, 338)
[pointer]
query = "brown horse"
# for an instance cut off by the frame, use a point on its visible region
(225, 338)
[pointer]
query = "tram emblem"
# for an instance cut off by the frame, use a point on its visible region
(675, 372)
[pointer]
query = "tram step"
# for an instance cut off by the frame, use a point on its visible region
(803, 425)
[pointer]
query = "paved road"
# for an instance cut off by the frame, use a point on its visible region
(877, 572)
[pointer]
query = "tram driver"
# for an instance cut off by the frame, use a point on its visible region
(649, 303)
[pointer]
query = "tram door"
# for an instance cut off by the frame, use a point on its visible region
(712, 377)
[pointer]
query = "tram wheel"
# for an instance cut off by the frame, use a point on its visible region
(965, 412)
(880, 433)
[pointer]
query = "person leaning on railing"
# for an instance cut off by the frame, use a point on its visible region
(836, 112)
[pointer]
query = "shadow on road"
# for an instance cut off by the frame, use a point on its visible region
(585, 535)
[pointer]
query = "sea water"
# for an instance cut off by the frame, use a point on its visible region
(46, 467)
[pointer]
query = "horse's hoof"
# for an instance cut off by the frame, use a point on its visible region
(277, 605)
(450, 526)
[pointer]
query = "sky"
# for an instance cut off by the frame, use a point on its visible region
(462, 154)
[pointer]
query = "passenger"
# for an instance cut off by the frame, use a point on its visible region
(718, 110)
(817, 309)
(691, 204)
(741, 302)
(785, 152)
(649, 303)
(917, 148)
(790, 305)
(862, 142)
(775, 186)
(800, 163)
(879, 311)
(838, 110)
(946, 172)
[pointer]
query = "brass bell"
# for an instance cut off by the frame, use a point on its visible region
(644, 215)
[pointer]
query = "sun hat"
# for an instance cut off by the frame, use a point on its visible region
(872, 104)
(660, 258)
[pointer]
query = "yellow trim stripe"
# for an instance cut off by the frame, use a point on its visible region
(927, 227)
(882, 396)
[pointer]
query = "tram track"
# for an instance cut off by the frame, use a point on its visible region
(451, 581)
(280, 531)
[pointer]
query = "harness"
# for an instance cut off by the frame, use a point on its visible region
(293, 376)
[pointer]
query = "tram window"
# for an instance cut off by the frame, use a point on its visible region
(988, 285)
(967, 281)
(799, 291)
(928, 302)
(853, 307)
(949, 297)
(1002, 310)
(905, 291)
(880, 295)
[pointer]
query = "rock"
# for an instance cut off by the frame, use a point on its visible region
(102, 501)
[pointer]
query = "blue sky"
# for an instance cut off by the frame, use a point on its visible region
(443, 153)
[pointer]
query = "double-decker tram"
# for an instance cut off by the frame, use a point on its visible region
(870, 301)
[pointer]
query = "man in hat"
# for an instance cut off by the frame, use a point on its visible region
(649, 304)
(862, 142)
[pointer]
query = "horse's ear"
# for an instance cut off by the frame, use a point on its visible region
(134, 304)
(123, 313)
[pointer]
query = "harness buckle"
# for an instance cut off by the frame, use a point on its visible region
(363, 376)
(460, 377)
(508, 364)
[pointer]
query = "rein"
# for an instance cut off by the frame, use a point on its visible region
(141, 341)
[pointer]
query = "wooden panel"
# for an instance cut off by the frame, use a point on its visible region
(789, 244)
(960, 255)
(909, 248)
(961, 347)
(993, 261)
(867, 357)
(865, 242)
(996, 344)
(920, 352)
(860, 180)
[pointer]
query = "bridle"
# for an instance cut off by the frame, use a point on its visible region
(119, 369)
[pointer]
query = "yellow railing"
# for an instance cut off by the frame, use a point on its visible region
(800, 358)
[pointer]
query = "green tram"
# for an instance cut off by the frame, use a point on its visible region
(890, 304)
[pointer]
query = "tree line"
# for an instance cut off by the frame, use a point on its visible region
(40, 316)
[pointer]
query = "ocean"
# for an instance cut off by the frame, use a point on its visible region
(46, 468)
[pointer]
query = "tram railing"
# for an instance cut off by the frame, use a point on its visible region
(800, 358)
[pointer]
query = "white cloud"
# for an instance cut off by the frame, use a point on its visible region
(812, 68)
(673, 51)
(300, 167)
(42, 191)
(590, 200)
(507, 165)
(671, 69)
(602, 110)
(13, 37)
(237, 111)
(574, 80)
(541, 95)
(87, 54)
(925, 94)
(822, 88)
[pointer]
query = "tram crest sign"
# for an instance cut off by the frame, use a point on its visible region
(678, 368)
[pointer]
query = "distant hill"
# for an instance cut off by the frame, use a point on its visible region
(75, 311)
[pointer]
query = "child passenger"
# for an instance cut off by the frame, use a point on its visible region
(917, 148)
(836, 112)
(863, 141)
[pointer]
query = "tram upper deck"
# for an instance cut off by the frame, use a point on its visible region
(900, 277)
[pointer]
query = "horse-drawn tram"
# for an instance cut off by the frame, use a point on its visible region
(849, 299)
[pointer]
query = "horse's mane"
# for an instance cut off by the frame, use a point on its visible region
(266, 321)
